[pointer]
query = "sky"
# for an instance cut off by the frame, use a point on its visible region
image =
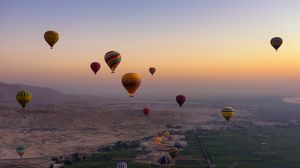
(199, 47)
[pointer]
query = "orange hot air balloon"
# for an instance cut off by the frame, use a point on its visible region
(131, 82)
(158, 140)
(152, 70)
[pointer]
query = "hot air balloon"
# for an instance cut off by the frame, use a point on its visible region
(166, 133)
(112, 59)
(158, 140)
(227, 112)
(165, 161)
(177, 144)
(152, 70)
(146, 111)
(23, 97)
(160, 134)
(122, 165)
(20, 151)
(173, 152)
(170, 138)
(276, 42)
(180, 99)
(95, 66)
(144, 145)
(131, 82)
(51, 37)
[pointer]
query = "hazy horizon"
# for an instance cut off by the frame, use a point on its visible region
(200, 48)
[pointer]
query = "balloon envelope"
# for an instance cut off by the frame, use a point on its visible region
(227, 112)
(51, 37)
(146, 111)
(131, 82)
(95, 66)
(160, 134)
(112, 59)
(165, 160)
(23, 97)
(177, 144)
(173, 152)
(152, 70)
(20, 150)
(166, 133)
(276, 42)
(122, 165)
(158, 140)
(180, 100)
(144, 145)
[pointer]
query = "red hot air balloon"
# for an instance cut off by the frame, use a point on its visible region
(95, 66)
(146, 111)
(159, 134)
(180, 100)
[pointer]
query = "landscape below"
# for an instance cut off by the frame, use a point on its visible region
(264, 132)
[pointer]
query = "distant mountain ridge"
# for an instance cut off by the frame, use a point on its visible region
(41, 95)
(46, 95)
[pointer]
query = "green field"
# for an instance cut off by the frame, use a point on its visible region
(110, 159)
(263, 147)
(260, 148)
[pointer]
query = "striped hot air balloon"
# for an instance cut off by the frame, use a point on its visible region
(122, 165)
(165, 161)
(112, 59)
(173, 152)
(227, 112)
(23, 97)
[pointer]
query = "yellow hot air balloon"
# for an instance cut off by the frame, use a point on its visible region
(227, 112)
(23, 97)
(51, 37)
(131, 82)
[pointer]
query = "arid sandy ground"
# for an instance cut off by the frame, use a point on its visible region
(68, 128)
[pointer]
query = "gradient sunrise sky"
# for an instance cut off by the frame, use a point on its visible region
(200, 47)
